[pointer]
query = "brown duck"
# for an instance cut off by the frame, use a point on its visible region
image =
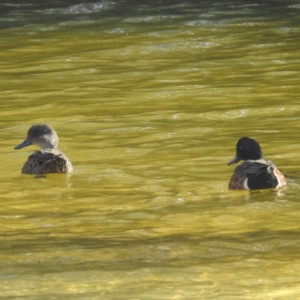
(47, 160)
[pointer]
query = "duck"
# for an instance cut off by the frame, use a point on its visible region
(47, 160)
(254, 173)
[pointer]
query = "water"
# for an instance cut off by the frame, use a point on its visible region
(149, 101)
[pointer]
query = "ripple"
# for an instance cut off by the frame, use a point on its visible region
(83, 8)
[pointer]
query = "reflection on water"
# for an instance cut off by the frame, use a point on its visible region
(148, 101)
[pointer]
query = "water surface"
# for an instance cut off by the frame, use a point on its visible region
(149, 101)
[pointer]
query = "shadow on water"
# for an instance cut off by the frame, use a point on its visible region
(159, 12)
(176, 250)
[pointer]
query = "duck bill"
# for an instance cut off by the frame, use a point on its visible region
(22, 145)
(234, 161)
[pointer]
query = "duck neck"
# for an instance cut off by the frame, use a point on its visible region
(47, 144)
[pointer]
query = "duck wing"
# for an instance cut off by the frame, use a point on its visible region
(45, 161)
(261, 174)
(250, 167)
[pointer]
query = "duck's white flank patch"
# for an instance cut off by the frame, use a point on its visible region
(279, 182)
(246, 184)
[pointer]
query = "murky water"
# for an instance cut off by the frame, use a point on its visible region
(148, 101)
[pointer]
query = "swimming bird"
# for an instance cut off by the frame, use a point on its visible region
(47, 160)
(255, 173)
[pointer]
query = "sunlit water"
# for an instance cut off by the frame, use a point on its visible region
(148, 102)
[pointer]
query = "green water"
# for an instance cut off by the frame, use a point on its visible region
(148, 102)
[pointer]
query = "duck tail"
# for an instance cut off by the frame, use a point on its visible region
(263, 179)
